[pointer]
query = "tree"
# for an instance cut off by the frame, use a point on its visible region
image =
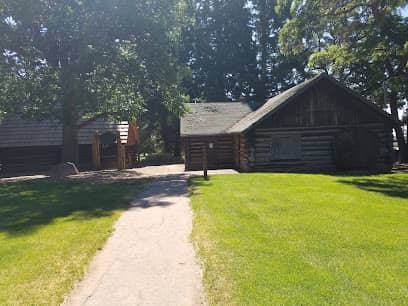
(277, 72)
(361, 42)
(79, 60)
(219, 49)
(232, 49)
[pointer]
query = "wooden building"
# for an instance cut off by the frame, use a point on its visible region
(318, 125)
(27, 146)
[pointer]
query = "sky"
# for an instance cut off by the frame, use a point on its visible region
(404, 11)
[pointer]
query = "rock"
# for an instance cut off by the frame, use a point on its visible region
(63, 170)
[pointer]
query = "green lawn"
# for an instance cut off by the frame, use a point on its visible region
(49, 232)
(303, 239)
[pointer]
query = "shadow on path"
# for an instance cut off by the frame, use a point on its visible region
(160, 192)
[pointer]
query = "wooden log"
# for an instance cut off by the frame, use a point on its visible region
(313, 129)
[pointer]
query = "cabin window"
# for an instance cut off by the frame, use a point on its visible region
(285, 147)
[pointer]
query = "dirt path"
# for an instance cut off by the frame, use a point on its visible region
(149, 259)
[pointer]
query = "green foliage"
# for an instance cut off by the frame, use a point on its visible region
(335, 56)
(406, 50)
(49, 231)
(361, 42)
(232, 49)
(302, 239)
(218, 47)
(72, 59)
(277, 71)
(294, 45)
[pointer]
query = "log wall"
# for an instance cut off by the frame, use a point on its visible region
(221, 156)
(29, 159)
(317, 149)
(40, 159)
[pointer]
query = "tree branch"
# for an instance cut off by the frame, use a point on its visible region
(345, 10)
(94, 118)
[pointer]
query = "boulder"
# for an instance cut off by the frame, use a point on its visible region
(63, 170)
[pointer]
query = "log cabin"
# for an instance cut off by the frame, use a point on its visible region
(319, 125)
(35, 146)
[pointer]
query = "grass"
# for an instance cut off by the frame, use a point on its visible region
(49, 231)
(300, 239)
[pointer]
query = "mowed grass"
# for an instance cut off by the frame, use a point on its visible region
(300, 239)
(49, 232)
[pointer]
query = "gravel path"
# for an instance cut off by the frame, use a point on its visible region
(149, 259)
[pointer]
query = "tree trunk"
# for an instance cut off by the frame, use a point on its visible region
(264, 30)
(177, 144)
(70, 133)
(70, 143)
(166, 135)
(403, 150)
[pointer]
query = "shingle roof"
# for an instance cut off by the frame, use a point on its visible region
(212, 118)
(17, 132)
(275, 103)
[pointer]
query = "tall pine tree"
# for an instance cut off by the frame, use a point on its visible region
(219, 48)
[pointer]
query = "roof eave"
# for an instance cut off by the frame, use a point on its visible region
(204, 135)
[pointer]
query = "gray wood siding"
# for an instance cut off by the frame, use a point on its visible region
(17, 132)
(322, 105)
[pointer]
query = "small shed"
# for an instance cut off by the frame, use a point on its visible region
(27, 145)
(318, 125)
(209, 122)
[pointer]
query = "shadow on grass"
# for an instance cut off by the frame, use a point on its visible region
(394, 186)
(26, 206)
(195, 182)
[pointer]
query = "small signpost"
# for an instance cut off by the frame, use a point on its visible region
(205, 159)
